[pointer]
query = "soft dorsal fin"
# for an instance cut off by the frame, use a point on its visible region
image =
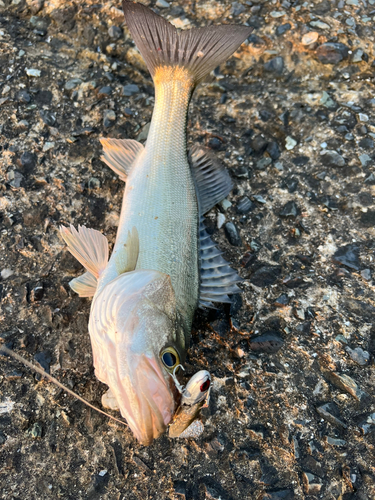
(126, 258)
(211, 178)
(88, 246)
(120, 154)
(85, 285)
(218, 279)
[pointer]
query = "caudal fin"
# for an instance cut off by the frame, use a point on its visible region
(198, 50)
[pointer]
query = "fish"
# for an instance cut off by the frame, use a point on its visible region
(164, 265)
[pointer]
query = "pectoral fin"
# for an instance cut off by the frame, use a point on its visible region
(120, 154)
(126, 258)
(88, 246)
(85, 285)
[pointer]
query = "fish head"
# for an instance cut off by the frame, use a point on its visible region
(136, 345)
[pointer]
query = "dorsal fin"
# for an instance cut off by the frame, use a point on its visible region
(211, 178)
(120, 154)
(88, 246)
(218, 279)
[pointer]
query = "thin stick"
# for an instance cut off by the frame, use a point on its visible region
(55, 381)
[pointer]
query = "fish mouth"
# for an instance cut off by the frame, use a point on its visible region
(146, 399)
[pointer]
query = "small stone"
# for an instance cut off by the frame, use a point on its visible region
(162, 4)
(6, 273)
(366, 143)
(365, 159)
(237, 9)
(232, 234)
(280, 30)
(5, 90)
(259, 198)
(115, 32)
(332, 158)
(263, 163)
(2, 438)
(275, 65)
(94, 183)
(214, 143)
(310, 40)
(266, 275)
(180, 490)
(276, 14)
(72, 84)
(48, 145)
(336, 442)
(290, 143)
(320, 25)
(48, 117)
(28, 161)
(44, 360)
(358, 355)
(109, 118)
(347, 384)
(220, 220)
(23, 97)
(282, 301)
(330, 412)
(130, 89)
(321, 390)
(357, 56)
(270, 342)
(366, 274)
(33, 72)
(348, 256)
(244, 205)
(290, 209)
(35, 431)
(332, 53)
(363, 118)
(327, 101)
(225, 204)
(273, 150)
(142, 136)
(104, 91)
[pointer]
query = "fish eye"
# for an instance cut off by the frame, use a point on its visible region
(204, 387)
(170, 358)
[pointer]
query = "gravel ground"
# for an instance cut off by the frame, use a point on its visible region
(292, 115)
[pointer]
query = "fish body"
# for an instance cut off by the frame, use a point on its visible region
(164, 263)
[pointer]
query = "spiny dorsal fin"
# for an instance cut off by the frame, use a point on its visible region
(85, 285)
(88, 246)
(218, 279)
(198, 50)
(126, 258)
(120, 154)
(211, 178)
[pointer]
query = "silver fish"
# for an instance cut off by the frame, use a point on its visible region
(164, 264)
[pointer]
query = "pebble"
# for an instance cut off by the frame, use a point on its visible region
(290, 209)
(109, 118)
(225, 204)
(244, 205)
(104, 91)
(237, 9)
(259, 198)
(331, 413)
(263, 163)
(2, 438)
(232, 234)
(332, 53)
(358, 56)
(23, 97)
(270, 342)
(214, 143)
(179, 488)
(366, 274)
(276, 14)
(266, 275)
(33, 72)
(44, 360)
(348, 256)
(320, 25)
(35, 431)
(282, 301)
(310, 40)
(48, 118)
(48, 145)
(115, 32)
(162, 4)
(28, 161)
(290, 143)
(273, 150)
(130, 89)
(363, 118)
(365, 160)
(275, 65)
(280, 30)
(327, 101)
(72, 84)
(332, 158)
(358, 355)
(220, 220)
(347, 384)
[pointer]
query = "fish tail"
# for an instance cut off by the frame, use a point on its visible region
(198, 51)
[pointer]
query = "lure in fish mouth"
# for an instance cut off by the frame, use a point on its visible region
(164, 264)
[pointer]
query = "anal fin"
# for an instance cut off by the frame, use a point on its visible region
(212, 181)
(88, 246)
(120, 154)
(218, 279)
(126, 258)
(85, 285)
